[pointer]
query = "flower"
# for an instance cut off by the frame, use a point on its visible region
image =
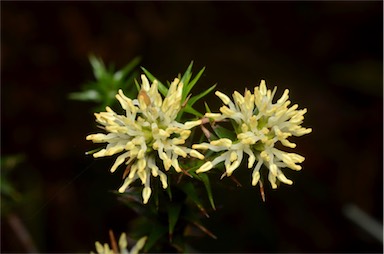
(123, 244)
(259, 124)
(147, 131)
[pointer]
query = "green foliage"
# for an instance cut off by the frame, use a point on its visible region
(10, 196)
(173, 211)
(107, 82)
(207, 184)
(223, 132)
(165, 220)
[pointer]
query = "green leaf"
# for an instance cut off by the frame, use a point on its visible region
(190, 190)
(134, 202)
(222, 132)
(157, 232)
(169, 192)
(98, 66)
(173, 216)
(8, 190)
(137, 85)
(192, 83)
(107, 82)
(187, 74)
(207, 109)
(204, 177)
(199, 96)
(88, 95)
(192, 111)
(163, 89)
(192, 172)
(155, 195)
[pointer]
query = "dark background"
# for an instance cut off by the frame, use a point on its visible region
(329, 54)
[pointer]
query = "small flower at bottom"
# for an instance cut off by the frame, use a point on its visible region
(122, 248)
(147, 131)
(259, 124)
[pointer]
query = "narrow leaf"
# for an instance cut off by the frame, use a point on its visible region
(222, 132)
(137, 85)
(204, 177)
(88, 95)
(192, 111)
(98, 66)
(194, 81)
(187, 74)
(193, 169)
(190, 190)
(207, 109)
(201, 95)
(173, 216)
(169, 192)
(157, 232)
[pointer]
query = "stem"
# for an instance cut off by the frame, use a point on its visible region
(21, 232)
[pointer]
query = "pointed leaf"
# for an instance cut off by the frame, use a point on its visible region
(187, 74)
(192, 111)
(204, 177)
(137, 85)
(157, 232)
(88, 95)
(169, 192)
(133, 200)
(207, 109)
(222, 132)
(193, 82)
(98, 66)
(201, 95)
(190, 190)
(173, 216)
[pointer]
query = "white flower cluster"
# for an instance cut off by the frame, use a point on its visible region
(123, 246)
(259, 124)
(147, 131)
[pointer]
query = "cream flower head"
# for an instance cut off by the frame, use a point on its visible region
(123, 246)
(147, 131)
(259, 124)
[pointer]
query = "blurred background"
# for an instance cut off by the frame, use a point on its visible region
(329, 54)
